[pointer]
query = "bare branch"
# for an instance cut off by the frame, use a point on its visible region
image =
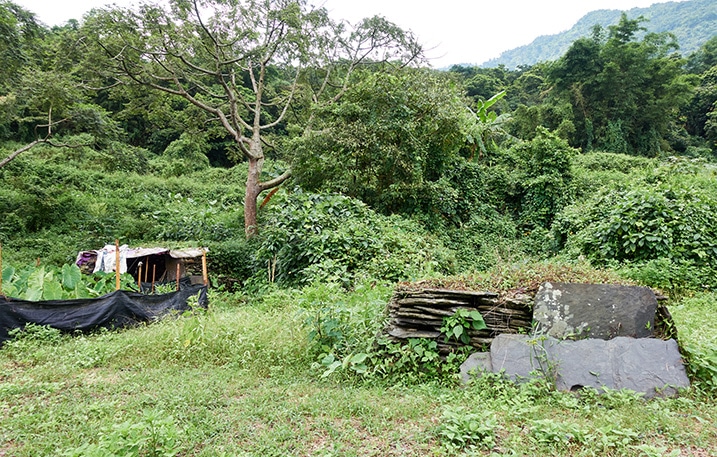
(16, 153)
(275, 182)
(45, 140)
(286, 105)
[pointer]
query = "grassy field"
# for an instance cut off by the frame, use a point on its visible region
(238, 381)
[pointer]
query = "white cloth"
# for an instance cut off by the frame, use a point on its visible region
(106, 259)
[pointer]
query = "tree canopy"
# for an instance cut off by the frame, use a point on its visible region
(244, 64)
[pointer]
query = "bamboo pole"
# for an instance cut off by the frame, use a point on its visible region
(154, 275)
(205, 276)
(177, 276)
(146, 270)
(117, 265)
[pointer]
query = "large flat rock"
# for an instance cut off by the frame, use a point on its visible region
(647, 365)
(565, 310)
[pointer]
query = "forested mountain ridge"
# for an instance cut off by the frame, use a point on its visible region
(693, 22)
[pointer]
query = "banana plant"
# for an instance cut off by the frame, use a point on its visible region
(485, 125)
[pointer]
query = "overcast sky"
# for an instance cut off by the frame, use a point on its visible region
(453, 31)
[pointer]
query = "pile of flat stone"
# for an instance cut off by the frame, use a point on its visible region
(589, 335)
(419, 313)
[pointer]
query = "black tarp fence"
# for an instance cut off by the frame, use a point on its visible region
(115, 310)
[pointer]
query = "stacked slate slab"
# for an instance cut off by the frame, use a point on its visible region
(590, 335)
(419, 313)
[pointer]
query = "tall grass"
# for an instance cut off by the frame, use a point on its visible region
(238, 380)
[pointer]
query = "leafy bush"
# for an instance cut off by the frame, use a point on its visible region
(122, 157)
(184, 155)
(315, 237)
(646, 224)
(388, 140)
(661, 223)
(485, 239)
(545, 184)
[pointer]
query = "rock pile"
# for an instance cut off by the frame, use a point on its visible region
(590, 335)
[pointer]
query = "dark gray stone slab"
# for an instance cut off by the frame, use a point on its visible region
(646, 365)
(583, 363)
(475, 364)
(650, 365)
(564, 310)
(519, 355)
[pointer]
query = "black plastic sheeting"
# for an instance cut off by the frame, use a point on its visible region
(115, 310)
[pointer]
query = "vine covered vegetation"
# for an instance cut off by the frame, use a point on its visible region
(320, 176)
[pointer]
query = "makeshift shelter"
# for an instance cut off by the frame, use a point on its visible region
(120, 308)
(148, 265)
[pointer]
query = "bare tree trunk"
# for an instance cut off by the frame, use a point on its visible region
(253, 189)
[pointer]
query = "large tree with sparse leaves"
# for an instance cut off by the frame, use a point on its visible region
(246, 63)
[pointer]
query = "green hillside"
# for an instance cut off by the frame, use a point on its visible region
(693, 22)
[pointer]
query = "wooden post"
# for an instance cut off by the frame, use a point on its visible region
(178, 265)
(205, 276)
(139, 278)
(146, 270)
(117, 265)
(154, 272)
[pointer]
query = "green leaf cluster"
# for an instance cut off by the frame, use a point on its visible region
(659, 223)
(51, 283)
(460, 323)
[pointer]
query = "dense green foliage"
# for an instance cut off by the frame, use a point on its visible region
(625, 95)
(484, 175)
(388, 142)
(598, 167)
(402, 172)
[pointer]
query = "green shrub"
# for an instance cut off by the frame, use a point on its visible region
(486, 239)
(184, 155)
(123, 157)
(645, 224)
(661, 224)
(545, 184)
(317, 237)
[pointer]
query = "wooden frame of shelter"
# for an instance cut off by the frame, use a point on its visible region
(148, 265)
